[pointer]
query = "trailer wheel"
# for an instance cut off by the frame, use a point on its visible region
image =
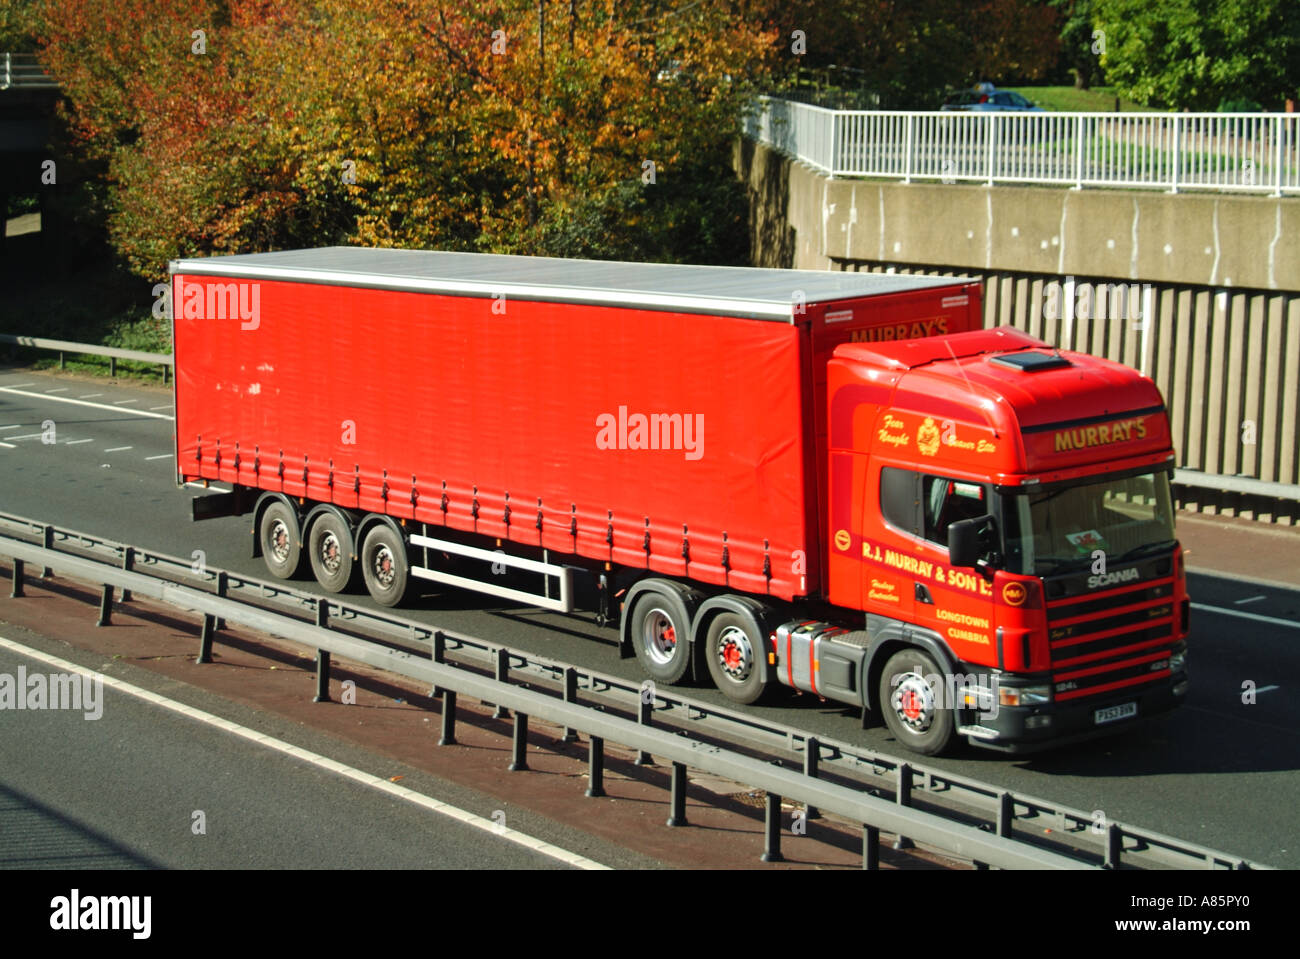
(733, 652)
(278, 532)
(384, 565)
(329, 547)
(659, 631)
(911, 699)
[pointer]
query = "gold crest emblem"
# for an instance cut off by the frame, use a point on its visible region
(927, 437)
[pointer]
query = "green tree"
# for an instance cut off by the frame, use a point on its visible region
(1080, 48)
(908, 52)
(1195, 54)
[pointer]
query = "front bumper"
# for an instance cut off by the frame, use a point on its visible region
(1022, 729)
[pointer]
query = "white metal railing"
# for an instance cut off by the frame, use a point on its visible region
(24, 71)
(1247, 152)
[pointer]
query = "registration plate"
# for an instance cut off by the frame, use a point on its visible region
(1112, 713)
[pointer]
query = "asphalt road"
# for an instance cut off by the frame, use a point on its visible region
(139, 786)
(1220, 771)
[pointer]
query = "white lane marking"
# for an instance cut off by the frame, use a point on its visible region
(164, 456)
(1248, 599)
(118, 449)
(98, 406)
(1255, 616)
(89, 396)
(214, 489)
(120, 402)
(315, 759)
(167, 407)
(75, 442)
(14, 386)
(15, 426)
(9, 446)
(61, 389)
(26, 436)
(1264, 689)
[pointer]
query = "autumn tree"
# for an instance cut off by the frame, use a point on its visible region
(586, 128)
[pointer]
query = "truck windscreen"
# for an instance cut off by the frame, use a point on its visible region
(1061, 527)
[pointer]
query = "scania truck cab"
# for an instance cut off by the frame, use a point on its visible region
(1002, 513)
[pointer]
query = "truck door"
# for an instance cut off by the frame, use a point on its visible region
(957, 603)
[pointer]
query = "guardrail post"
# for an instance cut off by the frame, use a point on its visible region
(570, 696)
(870, 847)
(47, 541)
(772, 829)
(439, 654)
(223, 586)
(595, 767)
(205, 639)
(128, 564)
(322, 655)
(448, 737)
(677, 815)
(164, 369)
(16, 591)
(62, 363)
(812, 752)
(105, 607)
(1114, 845)
(502, 676)
(904, 795)
(519, 751)
(1006, 814)
(322, 676)
(112, 366)
(644, 715)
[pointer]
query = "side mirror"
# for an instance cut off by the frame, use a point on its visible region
(967, 540)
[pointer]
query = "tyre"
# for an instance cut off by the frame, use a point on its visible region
(734, 653)
(911, 699)
(659, 632)
(384, 565)
(278, 535)
(329, 547)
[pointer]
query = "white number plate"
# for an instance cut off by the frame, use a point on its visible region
(1112, 713)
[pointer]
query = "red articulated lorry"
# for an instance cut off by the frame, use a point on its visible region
(832, 481)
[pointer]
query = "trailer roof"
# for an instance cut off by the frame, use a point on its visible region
(738, 291)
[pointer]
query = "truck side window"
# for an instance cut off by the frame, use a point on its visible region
(898, 499)
(946, 501)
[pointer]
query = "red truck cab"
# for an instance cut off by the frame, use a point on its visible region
(1001, 511)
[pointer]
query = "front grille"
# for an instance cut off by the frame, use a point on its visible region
(1108, 641)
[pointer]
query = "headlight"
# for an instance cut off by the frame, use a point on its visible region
(1178, 660)
(1024, 695)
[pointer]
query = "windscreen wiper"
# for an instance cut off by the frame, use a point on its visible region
(1139, 550)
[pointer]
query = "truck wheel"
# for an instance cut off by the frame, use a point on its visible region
(278, 532)
(911, 698)
(384, 565)
(659, 633)
(329, 546)
(733, 652)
